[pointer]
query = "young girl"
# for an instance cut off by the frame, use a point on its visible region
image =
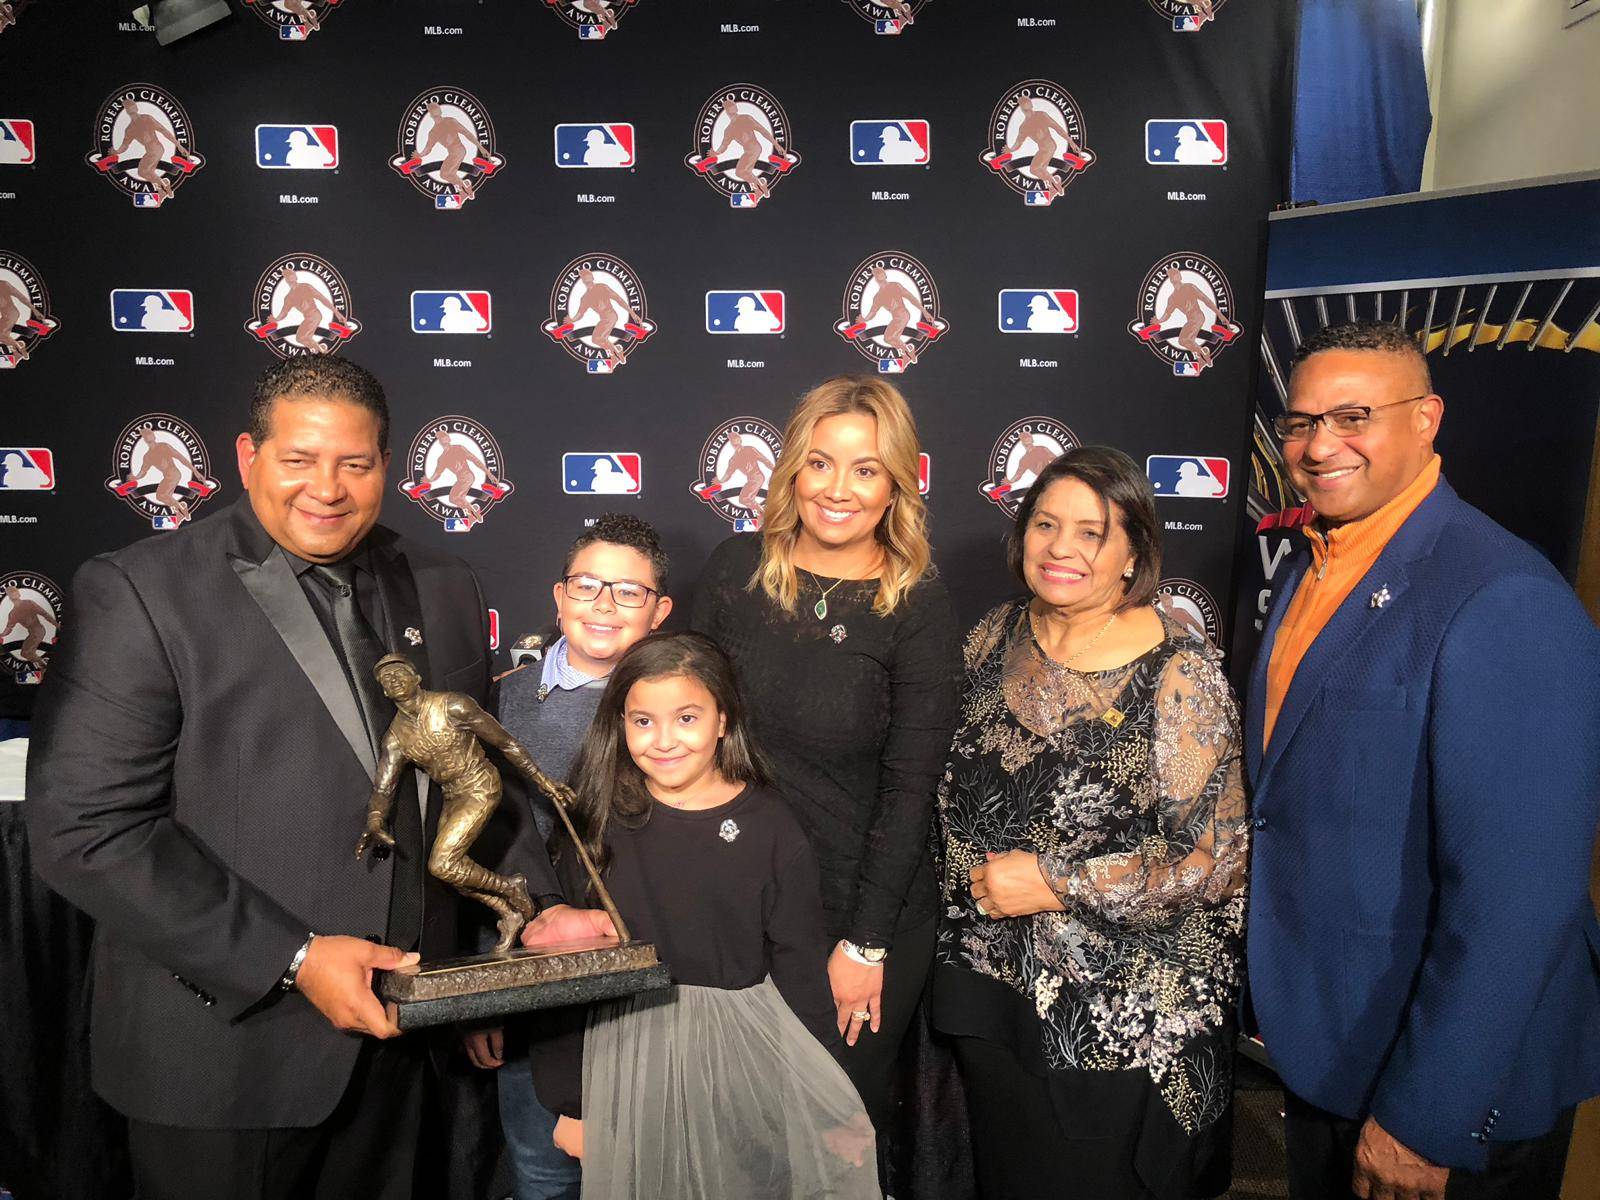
(723, 1085)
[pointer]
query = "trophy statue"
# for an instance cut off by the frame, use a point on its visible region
(442, 733)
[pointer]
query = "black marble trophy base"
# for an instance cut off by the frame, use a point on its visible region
(496, 985)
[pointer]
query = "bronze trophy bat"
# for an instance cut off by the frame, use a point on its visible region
(443, 733)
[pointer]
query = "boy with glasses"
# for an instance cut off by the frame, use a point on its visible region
(610, 594)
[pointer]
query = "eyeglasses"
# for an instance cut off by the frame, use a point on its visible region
(625, 593)
(1346, 422)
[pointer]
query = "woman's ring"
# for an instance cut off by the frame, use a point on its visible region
(862, 1014)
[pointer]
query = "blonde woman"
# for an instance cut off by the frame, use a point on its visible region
(848, 658)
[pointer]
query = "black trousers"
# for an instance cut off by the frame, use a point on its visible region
(1020, 1150)
(366, 1148)
(1322, 1150)
(870, 1062)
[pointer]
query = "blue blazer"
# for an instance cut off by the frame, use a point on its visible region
(1422, 947)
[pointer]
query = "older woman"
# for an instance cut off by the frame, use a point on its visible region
(848, 659)
(1094, 850)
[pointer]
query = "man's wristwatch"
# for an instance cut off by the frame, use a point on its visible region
(287, 983)
(867, 957)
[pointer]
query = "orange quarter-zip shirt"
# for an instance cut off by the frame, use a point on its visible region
(1339, 558)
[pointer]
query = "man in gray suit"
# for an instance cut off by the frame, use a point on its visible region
(203, 749)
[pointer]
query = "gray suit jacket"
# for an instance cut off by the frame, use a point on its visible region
(197, 782)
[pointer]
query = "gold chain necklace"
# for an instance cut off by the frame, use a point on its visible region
(1079, 652)
(821, 606)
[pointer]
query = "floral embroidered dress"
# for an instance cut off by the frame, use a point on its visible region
(1128, 785)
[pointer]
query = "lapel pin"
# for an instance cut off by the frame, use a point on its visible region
(1380, 597)
(413, 635)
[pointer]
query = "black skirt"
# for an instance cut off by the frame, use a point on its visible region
(1045, 1133)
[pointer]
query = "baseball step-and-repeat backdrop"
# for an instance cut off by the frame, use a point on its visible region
(595, 249)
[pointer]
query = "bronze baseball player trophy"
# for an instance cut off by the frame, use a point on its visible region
(443, 734)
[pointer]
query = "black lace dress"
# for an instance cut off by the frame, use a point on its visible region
(1127, 784)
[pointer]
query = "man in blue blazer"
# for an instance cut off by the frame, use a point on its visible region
(1423, 736)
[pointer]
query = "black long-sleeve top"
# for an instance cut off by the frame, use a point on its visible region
(728, 895)
(856, 712)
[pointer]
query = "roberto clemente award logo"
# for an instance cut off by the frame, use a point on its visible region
(598, 312)
(302, 307)
(736, 464)
(1185, 314)
(25, 318)
(161, 469)
(891, 311)
(593, 19)
(446, 147)
(144, 144)
(455, 472)
(743, 146)
(1036, 141)
(295, 20)
(30, 622)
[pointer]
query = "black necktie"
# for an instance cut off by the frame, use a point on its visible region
(361, 650)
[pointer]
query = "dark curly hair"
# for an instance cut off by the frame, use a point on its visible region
(1383, 336)
(620, 529)
(317, 375)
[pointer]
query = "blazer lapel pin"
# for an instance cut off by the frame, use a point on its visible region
(1380, 597)
(413, 635)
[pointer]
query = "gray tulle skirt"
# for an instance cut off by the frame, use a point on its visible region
(699, 1093)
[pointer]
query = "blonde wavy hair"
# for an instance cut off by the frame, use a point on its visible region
(903, 530)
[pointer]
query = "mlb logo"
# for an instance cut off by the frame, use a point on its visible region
(27, 469)
(451, 312)
(1038, 199)
(148, 200)
(594, 146)
(744, 200)
(895, 143)
(1188, 370)
(746, 525)
(152, 310)
(891, 366)
(591, 33)
(297, 147)
(1186, 142)
(599, 366)
(16, 142)
(1038, 310)
(1187, 24)
(449, 200)
(924, 470)
(291, 33)
(494, 628)
(744, 312)
(604, 473)
(891, 25)
(1188, 475)
(457, 524)
(164, 524)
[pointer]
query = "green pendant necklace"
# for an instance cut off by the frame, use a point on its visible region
(821, 606)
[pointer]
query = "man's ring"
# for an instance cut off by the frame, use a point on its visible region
(861, 1014)
(978, 904)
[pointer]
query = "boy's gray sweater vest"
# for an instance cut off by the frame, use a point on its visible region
(552, 729)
